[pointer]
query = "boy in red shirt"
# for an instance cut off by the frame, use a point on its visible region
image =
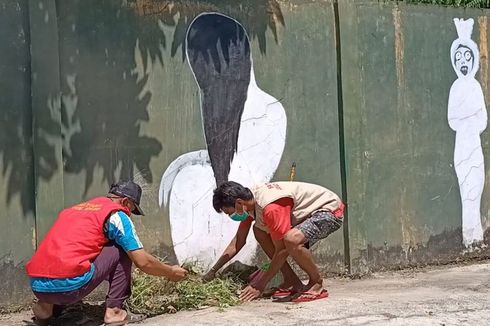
(289, 218)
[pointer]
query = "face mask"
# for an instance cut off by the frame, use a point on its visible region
(239, 217)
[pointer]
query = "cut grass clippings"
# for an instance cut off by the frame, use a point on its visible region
(153, 295)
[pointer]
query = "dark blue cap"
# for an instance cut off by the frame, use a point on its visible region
(130, 190)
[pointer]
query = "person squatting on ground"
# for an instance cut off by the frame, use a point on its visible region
(91, 242)
(289, 218)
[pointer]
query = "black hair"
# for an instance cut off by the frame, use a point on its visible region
(227, 194)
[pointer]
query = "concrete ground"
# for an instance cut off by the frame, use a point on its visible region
(455, 295)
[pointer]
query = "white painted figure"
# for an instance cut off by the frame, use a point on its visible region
(467, 115)
(199, 233)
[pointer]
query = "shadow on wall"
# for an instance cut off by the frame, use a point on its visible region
(15, 111)
(104, 100)
(256, 15)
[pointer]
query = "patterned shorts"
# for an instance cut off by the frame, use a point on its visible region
(319, 226)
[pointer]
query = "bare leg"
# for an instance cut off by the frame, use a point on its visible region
(294, 241)
(42, 310)
(289, 276)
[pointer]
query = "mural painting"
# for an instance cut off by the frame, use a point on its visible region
(467, 116)
(245, 133)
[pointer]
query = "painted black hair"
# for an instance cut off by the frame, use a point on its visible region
(218, 49)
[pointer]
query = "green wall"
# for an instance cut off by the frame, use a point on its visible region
(17, 235)
(405, 207)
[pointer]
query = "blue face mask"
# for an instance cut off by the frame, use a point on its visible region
(239, 217)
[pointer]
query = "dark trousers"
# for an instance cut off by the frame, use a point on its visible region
(112, 265)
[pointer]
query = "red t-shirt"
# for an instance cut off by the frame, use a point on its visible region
(277, 217)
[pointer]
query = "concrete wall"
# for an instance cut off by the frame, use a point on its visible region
(17, 167)
(405, 206)
(113, 96)
(356, 94)
(130, 104)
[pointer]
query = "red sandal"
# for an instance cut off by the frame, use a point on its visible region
(281, 293)
(309, 296)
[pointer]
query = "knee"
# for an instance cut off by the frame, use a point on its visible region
(293, 239)
(42, 310)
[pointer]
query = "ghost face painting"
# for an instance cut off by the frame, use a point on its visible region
(464, 60)
(467, 116)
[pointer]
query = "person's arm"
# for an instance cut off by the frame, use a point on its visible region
(256, 287)
(120, 229)
(277, 217)
(279, 258)
(151, 265)
(236, 244)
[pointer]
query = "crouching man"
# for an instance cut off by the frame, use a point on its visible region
(289, 218)
(89, 243)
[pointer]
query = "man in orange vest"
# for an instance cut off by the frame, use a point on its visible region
(289, 218)
(91, 242)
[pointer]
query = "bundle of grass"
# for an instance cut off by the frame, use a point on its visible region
(156, 295)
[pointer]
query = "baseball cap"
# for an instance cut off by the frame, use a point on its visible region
(130, 190)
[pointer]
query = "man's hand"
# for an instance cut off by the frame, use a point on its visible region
(209, 276)
(178, 273)
(250, 293)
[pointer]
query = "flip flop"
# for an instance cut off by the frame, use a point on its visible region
(130, 319)
(309, 296)
(281, 293)
(284, 295)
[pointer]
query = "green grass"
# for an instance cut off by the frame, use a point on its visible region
(155, 295)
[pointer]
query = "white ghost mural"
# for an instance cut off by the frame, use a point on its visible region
(245, 132)
(467, 116)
